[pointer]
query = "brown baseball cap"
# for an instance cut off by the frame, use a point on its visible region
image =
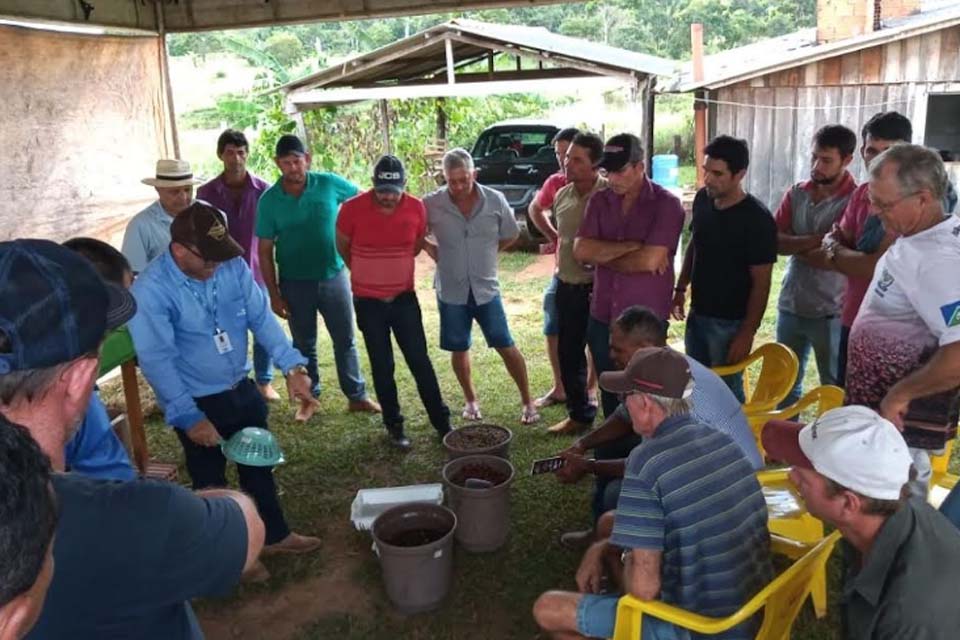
(204, 227)
(659, 371)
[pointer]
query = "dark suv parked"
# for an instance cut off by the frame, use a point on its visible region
(515, 157)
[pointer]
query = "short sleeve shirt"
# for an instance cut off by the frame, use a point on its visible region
(548, 192)
(655, 219)
(147, 236)
(689, 492)
(911, 309)
(382, 245)
(467, 247)
(907, 586)
(131, 555)
(95, 451)
(568, 208)
(727, 242)
(808, 291)
(304, 228)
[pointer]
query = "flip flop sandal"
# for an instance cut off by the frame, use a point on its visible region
(471, 411)
(529, 416)
(548, 401)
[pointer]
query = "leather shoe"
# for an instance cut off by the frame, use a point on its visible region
(256, 574)
(294, 543)
(577, 539)
(363, 406)
(399, 440)
(568, 425)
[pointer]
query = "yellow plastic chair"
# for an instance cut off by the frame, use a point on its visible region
(793, 528)
(778, 373)
(823, 398)
(940, 476)
(780, 601)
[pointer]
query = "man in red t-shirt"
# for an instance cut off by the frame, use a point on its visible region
(379, 232)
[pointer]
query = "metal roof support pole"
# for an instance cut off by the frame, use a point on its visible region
(385, 126)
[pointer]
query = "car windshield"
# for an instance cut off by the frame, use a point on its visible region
(514, 145)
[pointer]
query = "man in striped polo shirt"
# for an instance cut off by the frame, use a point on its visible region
(690, 528)
(379, 232)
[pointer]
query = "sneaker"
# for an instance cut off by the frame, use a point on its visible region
(363, 406)
(399, 439)
(294, 543)
(577, 539)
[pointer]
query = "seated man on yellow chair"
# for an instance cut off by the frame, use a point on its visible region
(690, 527)
(851, 467)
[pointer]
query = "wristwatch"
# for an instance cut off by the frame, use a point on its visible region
(297, 369)
(624, 555)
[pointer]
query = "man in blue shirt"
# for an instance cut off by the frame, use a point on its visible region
(95, 450)
(128, 556)
(714, 405)
(690, 528)
(197, 301)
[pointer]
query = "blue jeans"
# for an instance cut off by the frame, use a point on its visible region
(800, 334)
(950, 507)
(262, 364)
(333, 301)
(597, 615)
(707, 340)
(598, 337)
(551, 322)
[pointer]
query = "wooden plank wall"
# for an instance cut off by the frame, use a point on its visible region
(779, 113)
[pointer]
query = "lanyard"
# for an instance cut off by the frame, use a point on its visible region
(210, 312)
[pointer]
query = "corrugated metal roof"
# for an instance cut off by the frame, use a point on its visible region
(422, 56)
(800, 48)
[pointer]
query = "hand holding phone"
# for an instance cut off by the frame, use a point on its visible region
(547, 465)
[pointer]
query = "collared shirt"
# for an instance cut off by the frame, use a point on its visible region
(147, 236)
(568, 208)
(911, 309)
(689, 493)
(467, 246)
(907, 586)
(656, 218)
(173, 333)
(715, 406)
(807, 291)
(241, 213)
(304, 227)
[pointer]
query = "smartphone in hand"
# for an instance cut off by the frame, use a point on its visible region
(547, 465)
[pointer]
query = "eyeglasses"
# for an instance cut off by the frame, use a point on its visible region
(883, 207)
(193, 250)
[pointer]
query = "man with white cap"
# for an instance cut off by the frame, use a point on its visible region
(148, 232)
(690, 527)
(852, 468)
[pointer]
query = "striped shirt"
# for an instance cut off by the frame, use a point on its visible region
(689, 492)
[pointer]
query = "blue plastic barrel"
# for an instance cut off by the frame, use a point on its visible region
(666, 170)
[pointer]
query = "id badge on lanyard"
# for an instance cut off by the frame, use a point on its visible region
(222, 341)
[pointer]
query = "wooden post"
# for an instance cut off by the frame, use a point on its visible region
(451, 75)
(441, 120)
(385, 126)
(649, 112)
(165, 77)
(699, 106)
(131, 395)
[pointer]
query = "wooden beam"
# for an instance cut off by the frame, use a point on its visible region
(699, 106)
(448, 49)
(385, 126)
(165, 78)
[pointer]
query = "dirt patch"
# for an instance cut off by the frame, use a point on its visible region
(540, 269)
(282, 614)
(479, 471)
(474, 437)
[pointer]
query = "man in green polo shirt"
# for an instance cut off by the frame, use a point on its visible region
(296, 219)
(851, 467)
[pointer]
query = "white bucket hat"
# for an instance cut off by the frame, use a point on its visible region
(172, 173)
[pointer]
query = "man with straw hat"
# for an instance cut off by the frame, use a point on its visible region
(148, 232)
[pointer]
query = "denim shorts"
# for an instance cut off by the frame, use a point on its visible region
(597, 616)
(456, 321)
(551, 321)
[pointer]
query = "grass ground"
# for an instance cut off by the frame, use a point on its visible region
(337, 593)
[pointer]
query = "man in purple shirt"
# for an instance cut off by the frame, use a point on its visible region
(236, 192)
(629, 234)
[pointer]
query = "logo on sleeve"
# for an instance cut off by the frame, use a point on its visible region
(884, 283)
(951, 313)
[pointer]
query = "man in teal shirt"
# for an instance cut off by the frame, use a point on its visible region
(296, 219)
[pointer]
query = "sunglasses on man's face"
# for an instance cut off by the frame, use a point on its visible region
(194, 251)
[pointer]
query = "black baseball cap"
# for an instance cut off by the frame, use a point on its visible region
(288, 144)
(388, 174)
(54, 306)
(620, 150)
(203, 226)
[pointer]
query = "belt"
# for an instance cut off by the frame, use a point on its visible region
(584, 285)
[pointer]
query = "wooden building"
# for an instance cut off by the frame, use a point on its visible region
(863, 57)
